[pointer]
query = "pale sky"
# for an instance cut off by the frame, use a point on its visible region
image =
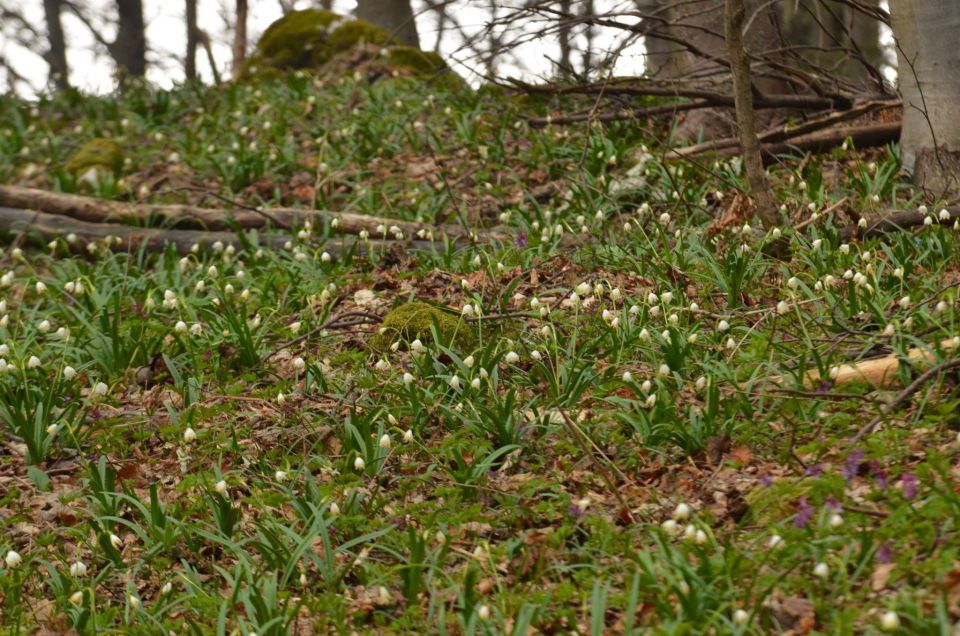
(166, 41)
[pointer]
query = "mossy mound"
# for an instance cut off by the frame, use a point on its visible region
(415, 320)
(100, 154)
(320, 40)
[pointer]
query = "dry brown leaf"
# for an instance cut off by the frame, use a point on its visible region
(881, 575)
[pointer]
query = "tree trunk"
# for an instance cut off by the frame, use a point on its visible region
(57, 54)
(129, 50)
(929, 76)
(743, 95)
(395, 16)
(190, 64)
(239, 38)
(563, 37)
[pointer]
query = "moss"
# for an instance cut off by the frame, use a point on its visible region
(415, 320)
(348, 35)
(297, 40)
(424, 65)
(100, 153)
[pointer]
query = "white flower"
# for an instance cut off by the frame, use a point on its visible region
(475, 383)
(167, 588)
(69, 372)
(512, 357)
(468, 361)
(385, 441)
(221, 487)
(821, 570)
(890, 621)
(77, 597)
(13, 559)
(116, 541)
(280, 476)
(793, 282)
(99, 390)
(670, 526)
(299, 364)
(782, 307)
(134, 601)
(33, 362)
(483, 613)
(740, 617)
(775, 542)
(723, 326)
(180, 327)
(836, 520)
(667, 297)
(334, 509)
(651, 400)
(281, 398)
(701, 383)
(664, 369)
(189, 435)
(944, 215)
(454, 381)
(408, 378)
(40, 287)
(627, 376)
(196, 329)
(904, 302)
(583, 289)
(408, 436)
(359, 464)
(78, 569)
(681, 512)
(325, 257)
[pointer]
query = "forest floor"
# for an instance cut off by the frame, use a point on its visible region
(609, 426)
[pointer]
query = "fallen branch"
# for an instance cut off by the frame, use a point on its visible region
(128, 239)
(95, 210)
(904, 395)
(895, 221)
(784, 133)
(878, 372)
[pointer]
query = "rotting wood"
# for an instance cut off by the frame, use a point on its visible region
(127, 238)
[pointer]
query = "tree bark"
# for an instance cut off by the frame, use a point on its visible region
(929, 76)
(563, 38)
(129, 50)
(193, 39)
(742, 91)
(239, 38)
(57, 53)
(396, 16)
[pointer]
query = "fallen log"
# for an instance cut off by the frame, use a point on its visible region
(877, 372)
(95, 210)
(127, 238)
(895, 221)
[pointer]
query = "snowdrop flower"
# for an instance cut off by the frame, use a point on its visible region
(941, 306)
(467, 310)
(408, 436)
(670, 526)
(890, 329)
(583, 289)
(280, 476)
(836, 520)
(928, 220)
(281, 398)
(483, 613)
(134, 601)
(69, 372)
(776, 233)
(644, 335)
(116, 541)
(634, 310)
(221, 487)
(359, 464)
(816, 244)
(944, 215)
(99, 390)
(615, 294)
(33, 362)
(454, 381)
(821, 570)
(845, 248)
(890, 621)
(196, 329)
(793, 282)
(536, 355)
(701, 383)
(189, 435)
(740, 617)
(334, 509)
(167, 588)
(299, 364)
(408, 378)
(468, 361)
(475, 383)
(782, 307)
(180, 327)
(664, 369)
(775, 542)
(681, 512)
(904, 302)
(40, 287)
(667, 297)
(385, 441)
(381, 365)
(647, 386)
(651, 400)
(78, 569)
(512, 357)
(627, 376)
(13, 559)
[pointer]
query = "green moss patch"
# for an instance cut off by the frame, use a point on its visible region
(416, 320)
(102, 154)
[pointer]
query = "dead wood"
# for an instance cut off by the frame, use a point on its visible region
(126, 238)
(95, 210)
(895, 221)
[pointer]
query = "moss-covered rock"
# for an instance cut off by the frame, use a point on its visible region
(413, 321)
(98, 154)
(323, 41)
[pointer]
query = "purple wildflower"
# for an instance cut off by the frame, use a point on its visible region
(814, 470)
(521, 240)
(885, 552)
(575, 510)
(804, 513)
(851, 466)
(765, 479)
(909, 484)
(833, 505)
